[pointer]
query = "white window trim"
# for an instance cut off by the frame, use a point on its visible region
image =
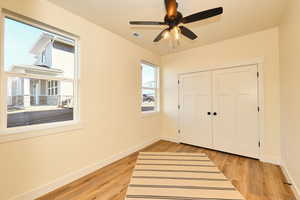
(156, 89)
(23, 132)
(52, 87)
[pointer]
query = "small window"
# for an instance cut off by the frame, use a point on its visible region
(41, 79)
(150, 92)
(52, 88)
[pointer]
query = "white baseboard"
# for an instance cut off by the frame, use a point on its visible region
(290, 179)
(271, 159)
(170, 139)
(267, 159)
(40, 191)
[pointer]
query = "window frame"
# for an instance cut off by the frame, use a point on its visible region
(156, 89)
(53, 89)
(8, 134)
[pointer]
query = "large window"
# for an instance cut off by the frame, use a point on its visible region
(150, 92)
(40, 72)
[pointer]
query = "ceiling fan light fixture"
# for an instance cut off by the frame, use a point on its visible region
(176, 33)
(166, 35)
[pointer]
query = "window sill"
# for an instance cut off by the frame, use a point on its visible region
(21, 133)
(150, 113)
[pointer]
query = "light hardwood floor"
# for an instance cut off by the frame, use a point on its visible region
(254, 179)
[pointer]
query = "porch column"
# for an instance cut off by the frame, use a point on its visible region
(38, 92)
(26, 92)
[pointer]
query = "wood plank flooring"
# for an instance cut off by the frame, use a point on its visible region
(254, 179)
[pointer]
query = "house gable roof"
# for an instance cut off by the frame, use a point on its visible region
(44, 40)
(41, 44)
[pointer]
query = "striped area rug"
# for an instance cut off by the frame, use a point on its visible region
(179, 176)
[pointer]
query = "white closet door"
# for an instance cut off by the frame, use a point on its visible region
(235, 125)
(196, 101)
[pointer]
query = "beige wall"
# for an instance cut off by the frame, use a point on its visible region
(289, 41)
(232, 51)
(109, 70)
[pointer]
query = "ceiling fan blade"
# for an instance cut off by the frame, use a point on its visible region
(160, 36)
(146, 23)
(171, 7)
(202, 15)
(188, 33)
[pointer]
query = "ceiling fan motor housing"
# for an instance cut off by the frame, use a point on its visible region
(174, 21)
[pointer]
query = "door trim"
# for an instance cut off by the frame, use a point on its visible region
(260, 83)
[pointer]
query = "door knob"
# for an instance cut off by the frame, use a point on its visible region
(215, 113)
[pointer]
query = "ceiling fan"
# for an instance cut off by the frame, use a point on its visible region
(173, 19)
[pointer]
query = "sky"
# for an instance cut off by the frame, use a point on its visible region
(148, 75)
(19, 38)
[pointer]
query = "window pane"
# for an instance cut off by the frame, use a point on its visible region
(148, 76)
(148, 100)
(35, 51)
(28, 102)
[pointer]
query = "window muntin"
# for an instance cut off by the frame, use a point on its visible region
(149, 88)
(52, 88)
(39, 74)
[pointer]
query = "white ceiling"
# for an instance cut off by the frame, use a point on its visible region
(240, 17)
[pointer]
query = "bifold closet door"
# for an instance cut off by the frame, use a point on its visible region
(195, 111)
(235, 103)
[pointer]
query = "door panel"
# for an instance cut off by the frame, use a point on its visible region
(235, 127)
(196, 101)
